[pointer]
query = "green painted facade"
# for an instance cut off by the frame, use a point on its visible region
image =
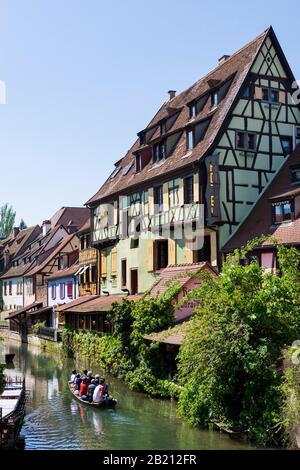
(245, 174)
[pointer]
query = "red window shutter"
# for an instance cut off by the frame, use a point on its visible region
(70, 289)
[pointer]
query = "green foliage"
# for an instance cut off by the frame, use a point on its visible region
(7, 220)
(125, 352)
(291, 396)
(122, 319)
(229, 364)
(37, 326)
(22, 225)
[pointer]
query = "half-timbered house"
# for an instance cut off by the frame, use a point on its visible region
(207, 155)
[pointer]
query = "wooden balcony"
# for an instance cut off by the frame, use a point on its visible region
(88, 256)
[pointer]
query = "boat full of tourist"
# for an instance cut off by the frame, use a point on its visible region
(91, 390)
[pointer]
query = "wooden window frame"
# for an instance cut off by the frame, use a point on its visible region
(246, 140)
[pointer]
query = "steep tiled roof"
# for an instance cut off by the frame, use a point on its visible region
(236, 67)
(64, 272)
(180, 273)
(259, 220)
(52, 254)
(76, 215)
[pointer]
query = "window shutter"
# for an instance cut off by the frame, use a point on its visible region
(171, 251)
(70, 289)
(281, 97)
(103, 264)
(150, 255)
(114, 261)
(166, 196)
(181, 192)
(258, 93)
(213, 249)
(151, 201)
(116, 213)
(188, 255)
(196, 187)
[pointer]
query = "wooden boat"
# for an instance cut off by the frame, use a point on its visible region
(12, 410)
(9, 358)
(108, 403)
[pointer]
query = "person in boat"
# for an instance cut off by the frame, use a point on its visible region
(99, 392)
(84, 389)
(73, 377)
(97, 380)
(91, 389)
(105, 385)
(77, 382)
(90, 376)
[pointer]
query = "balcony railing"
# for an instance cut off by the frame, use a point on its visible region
(175, 215)
(49, 333)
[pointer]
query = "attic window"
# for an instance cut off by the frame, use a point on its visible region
(214, 99)
(197, 133)
(138, 163)
(115, 172)
(282, 212)
(127, 168)
(193, 110)
(159, 151)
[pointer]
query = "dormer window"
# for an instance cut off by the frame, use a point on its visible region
(214, 99)
(138, 165)
(282, 212)
(159, 151)
(193, 110)
(195, 134)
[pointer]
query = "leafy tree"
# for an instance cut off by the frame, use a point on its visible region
(22, 225)
(230, 364)
(7, 220)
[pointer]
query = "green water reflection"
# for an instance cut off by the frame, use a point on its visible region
(55, 420)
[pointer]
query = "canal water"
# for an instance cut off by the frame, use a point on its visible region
(55, 420)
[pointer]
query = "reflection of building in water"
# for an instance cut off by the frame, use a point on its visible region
(53, 387)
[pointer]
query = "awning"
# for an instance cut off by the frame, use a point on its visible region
(41, 310)
(17, 313)
(99, 304)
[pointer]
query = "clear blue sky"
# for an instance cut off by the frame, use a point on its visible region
(83, 77)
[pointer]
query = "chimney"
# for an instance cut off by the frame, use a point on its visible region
(172, 94)
(15, 231)
(223, 59)
(46, 226)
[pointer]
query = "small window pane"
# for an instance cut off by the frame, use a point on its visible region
(241, 140)
(190, 140)
(251, 141)
(274, 96)
(265, 94)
